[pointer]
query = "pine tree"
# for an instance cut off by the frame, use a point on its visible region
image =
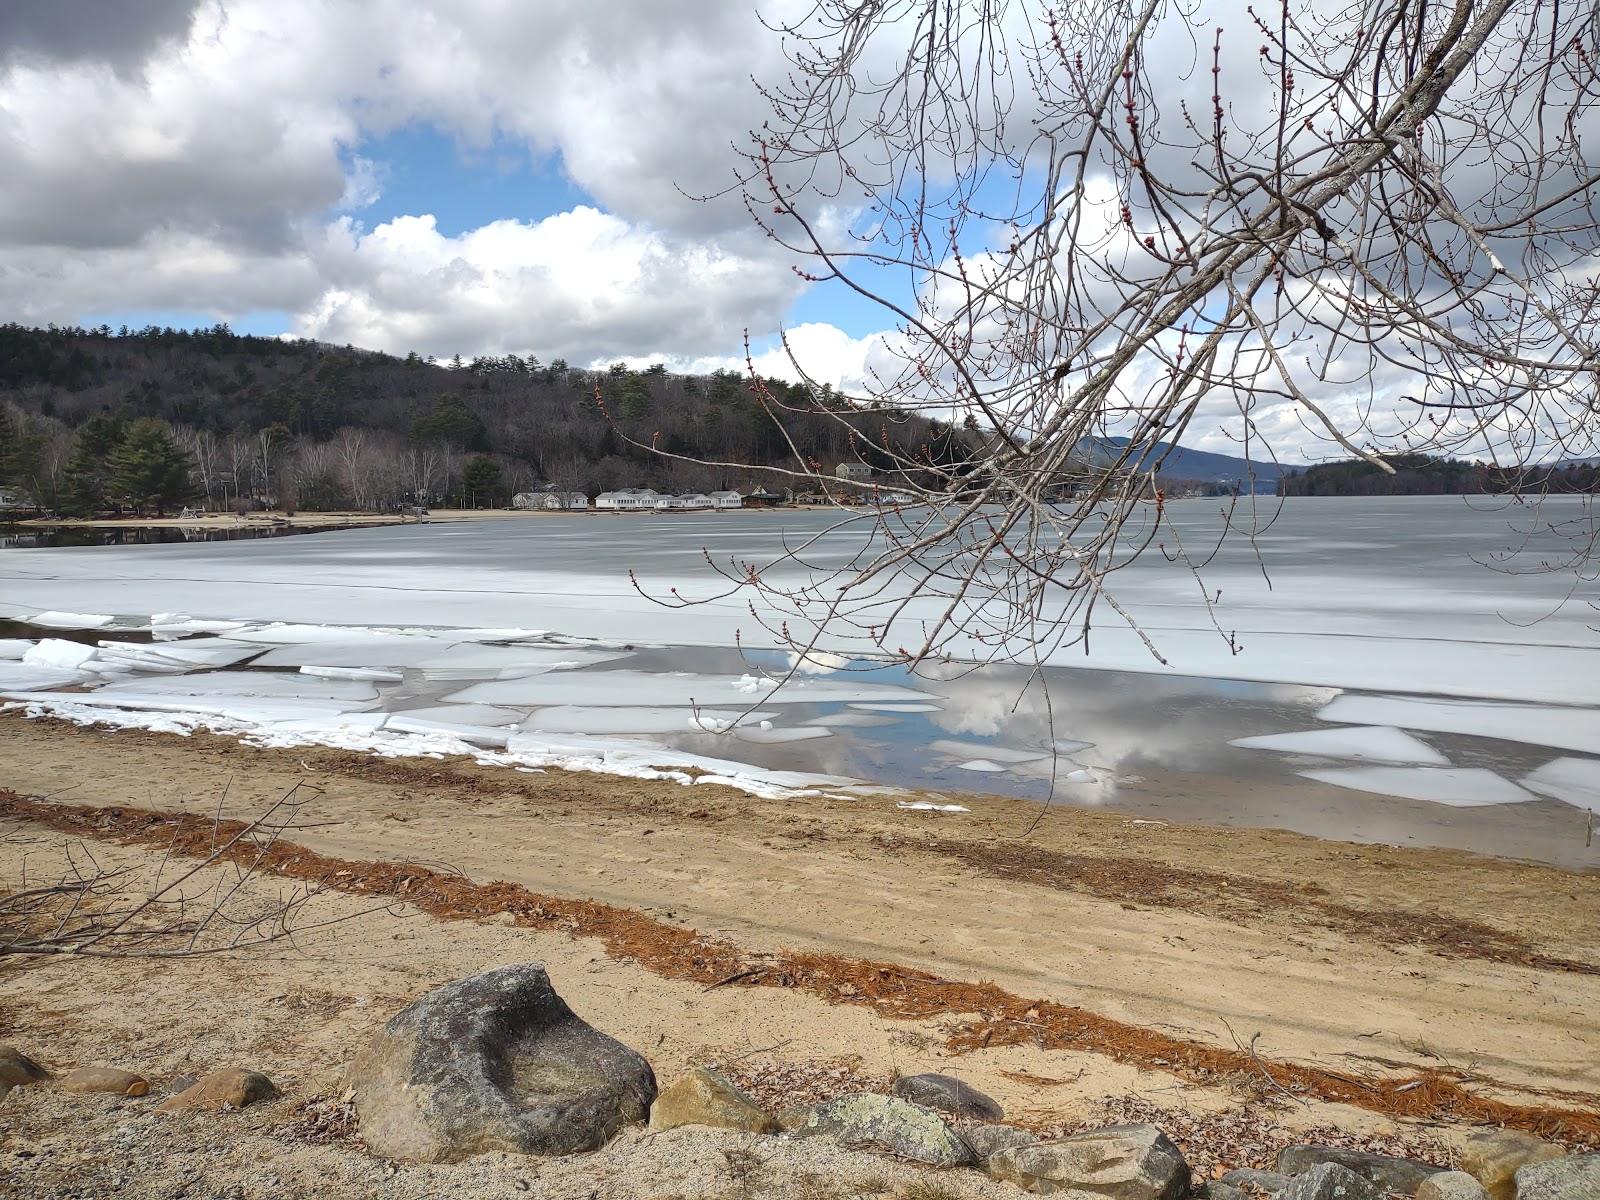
(481, 481)
(149, 469)
(84, 477)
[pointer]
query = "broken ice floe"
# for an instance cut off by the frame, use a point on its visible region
(1573, 780)
(1568, 727)
(1462, 787)
(1376, 743)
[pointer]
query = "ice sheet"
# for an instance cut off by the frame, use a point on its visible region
(368, 673)
(1375, 743)
(1460, 787)
(246, 683)
(571, 718)
(983, 765)
(777, 736)
(14, 648)
(55, 619)
(640, 688)
(22, 677)
(914, 707)
(467, 714)
(58, 653)
(1569, 728)
(1005, 754)
(1574, 780)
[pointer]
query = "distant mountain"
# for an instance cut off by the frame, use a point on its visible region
(1179, 462)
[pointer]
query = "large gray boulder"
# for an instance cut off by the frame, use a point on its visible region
(1330, 1181)
(1493, 1157)
(496, 1061)
(1403, 1175)
(991, 1139)
(947, 1094)
(1121, 1162)
(1270, 1182)
(1451, 1185)
(890, 1124)
(1574, 1178)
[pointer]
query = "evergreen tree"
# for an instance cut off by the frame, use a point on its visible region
(8, 448)
(482, 482)
(83, 489)
(149, 469)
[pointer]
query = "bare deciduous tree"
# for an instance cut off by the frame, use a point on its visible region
(1144, 219)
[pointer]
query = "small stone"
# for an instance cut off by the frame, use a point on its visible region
(1403, 1175)
(947, 1094)
(231, 1087)
(891, 1124)
(1451, 1185)
(1270, 1182)
(1330, 1181)
(1124, 1162)
(1492, 1157)
(985, 1140)
(105, 1079)
(1576, 1177)
(1217, 1190)
(705, 1098)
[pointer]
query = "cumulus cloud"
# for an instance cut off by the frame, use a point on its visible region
(113, 31)
(583, 284)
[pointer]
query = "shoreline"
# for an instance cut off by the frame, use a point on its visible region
(355, 520)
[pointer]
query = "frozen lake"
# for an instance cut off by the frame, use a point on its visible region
(1387, 686)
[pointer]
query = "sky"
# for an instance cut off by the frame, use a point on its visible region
(444, 176)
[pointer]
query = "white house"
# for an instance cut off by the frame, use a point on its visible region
(628, 500)
(727, 500)
(551, 501)
(854, 472)
(687, 500)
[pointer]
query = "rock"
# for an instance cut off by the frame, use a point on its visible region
(181, 1083)
(985, 1140)
(946, 1094)
(1403, 1175)
(705, 1098)
(1330, 1181)
(793, 1118)
(1217, 1190)
(1492, 1157)
(1451, 1185)
(229, 1088)
(1576, 1177)
(891, 1124)
(17, 1069)
(496, 1061)
(105, 1079)
(1123, 1162)
(1270, 1182)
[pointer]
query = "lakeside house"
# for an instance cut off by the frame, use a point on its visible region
(628, 500)
(551, 500)
(853, 472)
(648, 500)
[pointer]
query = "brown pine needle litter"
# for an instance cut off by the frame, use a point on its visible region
(986, 1015)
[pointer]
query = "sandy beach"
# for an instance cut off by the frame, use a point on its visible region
(1062, 966)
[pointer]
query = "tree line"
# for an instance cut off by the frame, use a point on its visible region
(154, 418)
(1426, 475)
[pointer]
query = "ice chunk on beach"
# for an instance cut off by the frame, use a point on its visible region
(929, 806)
(248, 684)
(477, 735)
(640, 688)
(571, 718)
(188, 655)
(1376, 743)
(70, 620)
(58, 653)
(466, 714)
(1570, 728)
(23, 677)
(1573, 780)
(1460, 787)
(14, 648)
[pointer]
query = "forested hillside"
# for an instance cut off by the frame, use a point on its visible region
(304, 424)
(1422, 475)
